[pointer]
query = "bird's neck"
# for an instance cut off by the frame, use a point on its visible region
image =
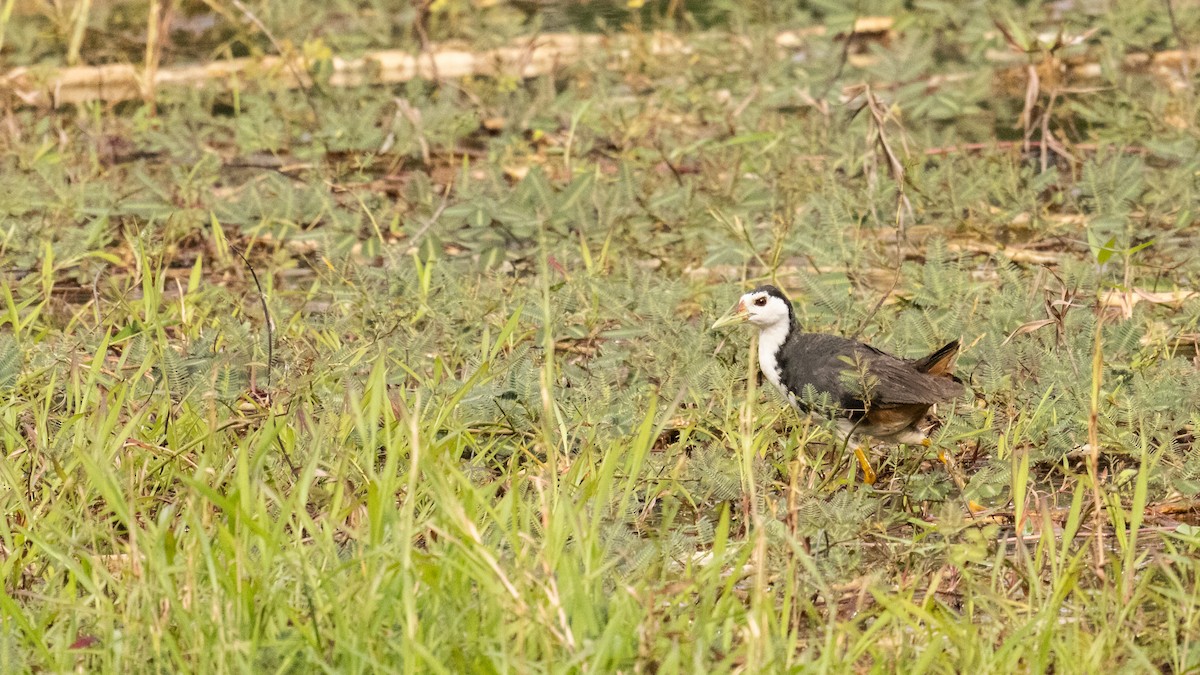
(770, 339)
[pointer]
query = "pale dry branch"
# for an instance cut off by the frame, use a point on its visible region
(1124, 300)
(120, 82)
(530, 57)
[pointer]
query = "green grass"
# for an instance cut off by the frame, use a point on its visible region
(346, 380)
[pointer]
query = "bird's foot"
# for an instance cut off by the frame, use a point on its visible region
(868, 472)
(951, 469)
(941, 453)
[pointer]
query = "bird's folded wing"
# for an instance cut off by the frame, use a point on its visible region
(896, 382)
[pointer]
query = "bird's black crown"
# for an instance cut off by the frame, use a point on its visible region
(772, 290)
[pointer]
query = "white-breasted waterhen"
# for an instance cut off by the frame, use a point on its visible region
(871, 394)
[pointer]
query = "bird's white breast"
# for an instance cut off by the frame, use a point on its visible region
(770, 339)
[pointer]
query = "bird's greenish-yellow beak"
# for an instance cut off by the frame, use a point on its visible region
(736, 315)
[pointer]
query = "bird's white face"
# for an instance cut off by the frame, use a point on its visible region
(759, 308)
(764, 309)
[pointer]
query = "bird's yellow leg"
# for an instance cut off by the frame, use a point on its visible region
(925, 442)
(868, 472)
(951, 470)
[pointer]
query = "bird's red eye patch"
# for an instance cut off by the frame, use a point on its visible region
(760, 301)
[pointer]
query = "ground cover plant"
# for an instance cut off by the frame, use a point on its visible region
(307, 372)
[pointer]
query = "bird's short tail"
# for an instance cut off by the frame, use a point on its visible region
(940, 362)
